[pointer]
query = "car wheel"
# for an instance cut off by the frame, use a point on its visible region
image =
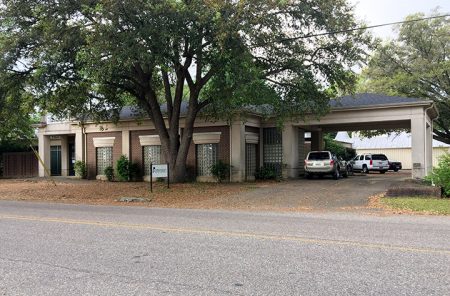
(345, 174)
(365, 170)
(336, 174)
(382, 172)
(395, 170)
(308, 176)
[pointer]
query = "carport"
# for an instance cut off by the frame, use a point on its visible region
(365, 112)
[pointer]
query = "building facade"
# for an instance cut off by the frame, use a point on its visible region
(246, 143)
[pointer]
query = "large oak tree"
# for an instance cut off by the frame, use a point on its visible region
(90, 57)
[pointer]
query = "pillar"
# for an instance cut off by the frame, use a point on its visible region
(64, 156)
(44, 154)
(79, 146)
(126, 143)
(237, 152)
(290, 152)
(301, 151)
(317, 141)
(429, 148)
(421, 146)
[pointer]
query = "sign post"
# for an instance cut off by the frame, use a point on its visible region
(159, 171)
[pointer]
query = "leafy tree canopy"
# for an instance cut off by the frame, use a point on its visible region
(92, 56)
(16, 132)
(415, 64)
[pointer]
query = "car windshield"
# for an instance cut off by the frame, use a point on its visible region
(319, 156)
(379, 157)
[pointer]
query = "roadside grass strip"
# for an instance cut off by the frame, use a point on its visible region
(419, 205)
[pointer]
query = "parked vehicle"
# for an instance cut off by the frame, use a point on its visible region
(322, 163)
(370, 162)
(395, 165)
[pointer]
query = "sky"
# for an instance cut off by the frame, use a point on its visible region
(375, 12)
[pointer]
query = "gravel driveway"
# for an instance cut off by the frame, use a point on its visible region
(302, 194)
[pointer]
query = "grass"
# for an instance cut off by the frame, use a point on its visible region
(420, 205)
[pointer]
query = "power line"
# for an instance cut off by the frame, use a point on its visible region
(364, 28)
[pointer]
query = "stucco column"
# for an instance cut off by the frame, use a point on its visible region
(79, 146)
(429, 148)
(44, 154)
(290, 152)
(419, 146)
(301, 151)
(237, 152)
(126, 143)
(64, 156)
(317, 141)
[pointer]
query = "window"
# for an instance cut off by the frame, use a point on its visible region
(319, 156)
(367, 157)
(152, 155)
(379, 157)
(250, 160)
(104, 159)
(361, 157)
(272, 148)
(206, 158)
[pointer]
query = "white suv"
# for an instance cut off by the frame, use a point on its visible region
(370, 162)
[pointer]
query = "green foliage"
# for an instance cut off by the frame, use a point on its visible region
(335, 147)
(441, 174)
(80, 169)
(109, 173)
(126, 170)
(266, 172)
(123, 168)
(220, 170)
(415, 65)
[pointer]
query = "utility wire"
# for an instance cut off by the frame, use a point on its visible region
(364, 28)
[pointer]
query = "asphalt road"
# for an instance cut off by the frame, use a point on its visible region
(56, 249)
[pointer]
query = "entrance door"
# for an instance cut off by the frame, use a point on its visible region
(250, 162)
(71, 159)
(55, 160)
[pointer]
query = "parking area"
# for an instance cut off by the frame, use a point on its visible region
(293, 195)
(351, 193)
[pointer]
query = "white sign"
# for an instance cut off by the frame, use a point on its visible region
(160, 170)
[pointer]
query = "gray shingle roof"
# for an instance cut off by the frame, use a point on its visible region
(368, 99)
(354, 101)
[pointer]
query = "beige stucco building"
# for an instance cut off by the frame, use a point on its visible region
(246, 143)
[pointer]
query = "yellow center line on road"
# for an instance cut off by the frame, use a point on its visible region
(273, 237)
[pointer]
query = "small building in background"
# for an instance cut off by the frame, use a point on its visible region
(396, 146)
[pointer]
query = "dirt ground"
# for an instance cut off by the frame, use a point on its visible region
(107, 193)
(294, 195)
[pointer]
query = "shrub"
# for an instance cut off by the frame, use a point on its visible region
(338, 149)
(441, 174)
(266, 172)
(220, 170)
(80, 169)
(109, 173)
(123, 168)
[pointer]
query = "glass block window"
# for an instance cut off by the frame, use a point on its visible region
(206, 158)
(272, 148)
(104, 159)
(152, 155)
(250, 160)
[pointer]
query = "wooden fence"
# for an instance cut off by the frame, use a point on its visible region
(20, 165)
